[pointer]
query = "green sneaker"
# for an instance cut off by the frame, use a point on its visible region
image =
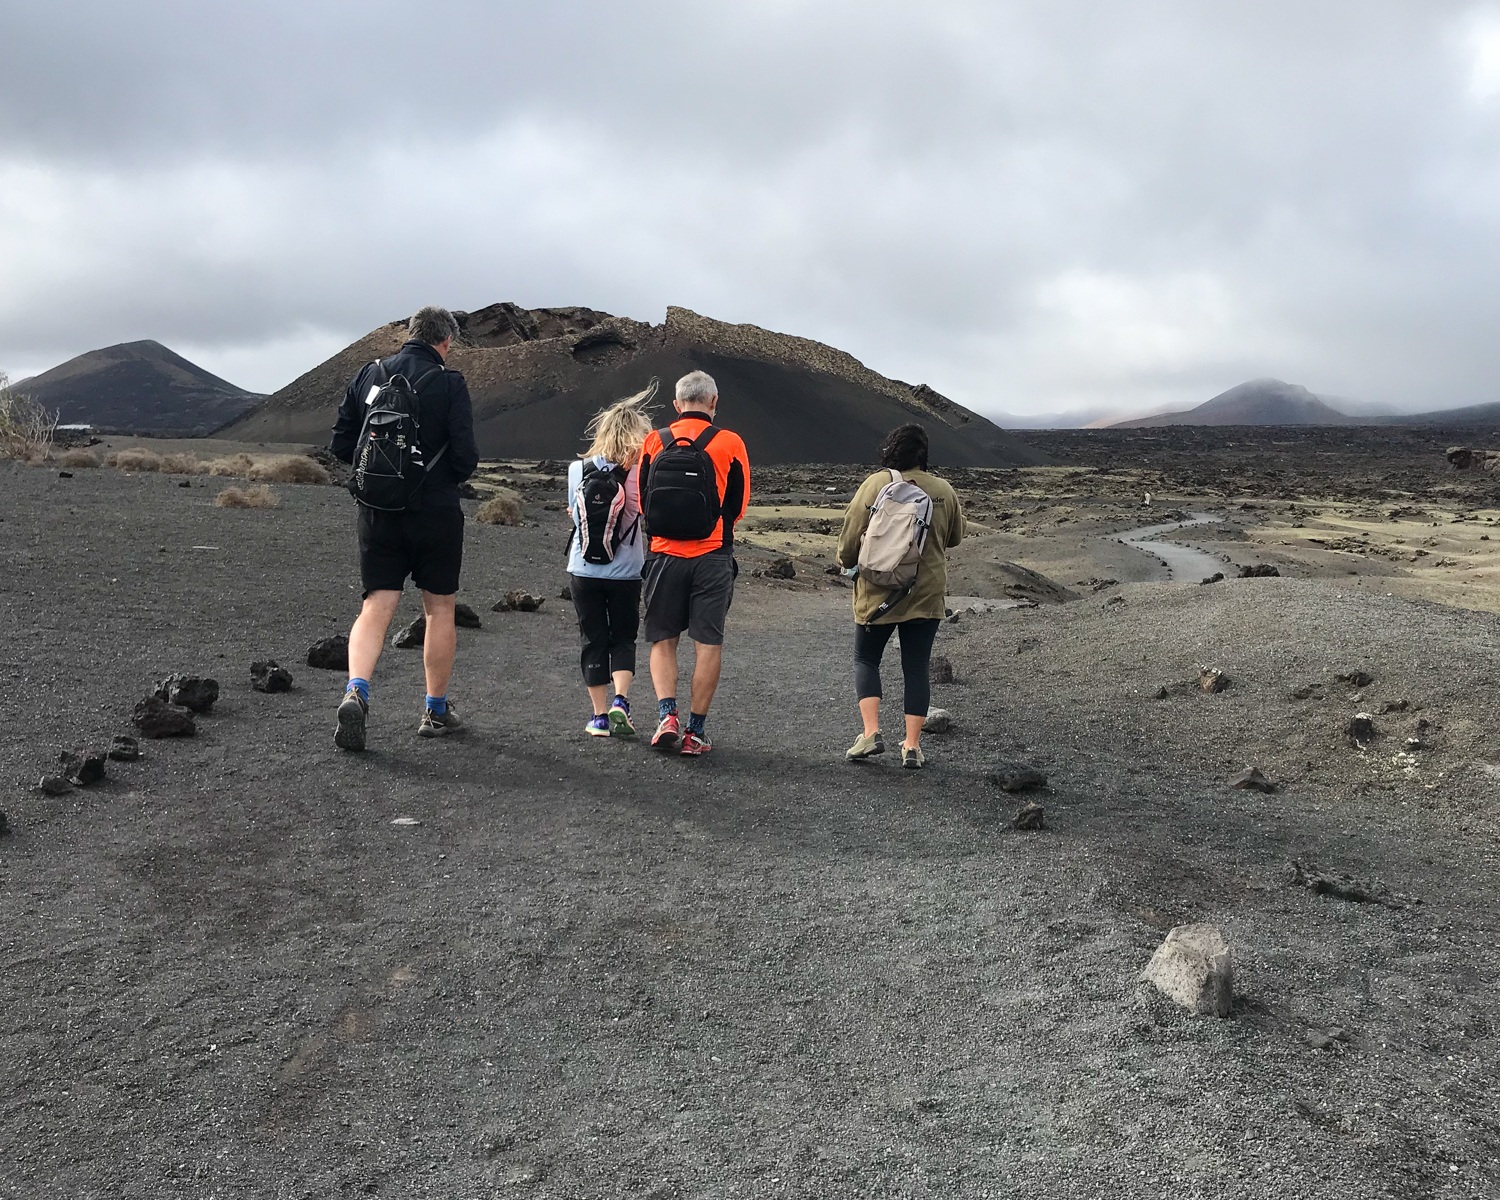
(867, 745)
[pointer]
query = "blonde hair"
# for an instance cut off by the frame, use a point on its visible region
(617, 433)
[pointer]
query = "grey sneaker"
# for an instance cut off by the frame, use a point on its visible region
(912, 758)
(350, 734)
(439, 724)
(866, 746)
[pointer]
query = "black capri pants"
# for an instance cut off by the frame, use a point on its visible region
(917, 637)
(608, 619)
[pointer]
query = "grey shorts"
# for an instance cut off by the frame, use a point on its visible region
(688, 593)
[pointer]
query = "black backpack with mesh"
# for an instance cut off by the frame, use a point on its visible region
(388, 463)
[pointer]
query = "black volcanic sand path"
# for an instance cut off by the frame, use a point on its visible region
(589, 971)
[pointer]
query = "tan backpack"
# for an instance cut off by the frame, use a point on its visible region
(891, 548)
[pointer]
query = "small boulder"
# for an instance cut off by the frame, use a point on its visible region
(1031, 818)
(1212, 680)
(939, 720)
(1161, 693)
(155, 718)
(189, 691)
(1017, 776)
(329, 654)
(65, 474)
(1252, 780)
(1361, 731)
(1193, 967)
(89, 769)
(1259, 571)
(940, 670)
(465, 617)
(518, 601)
(413, 635)
(55, 785)
(1216, 577)
(566, 593)
(782, 568)
(270, 676)
(1356, 679)
(123, 748)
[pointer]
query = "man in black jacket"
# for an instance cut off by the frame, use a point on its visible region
(425, 542)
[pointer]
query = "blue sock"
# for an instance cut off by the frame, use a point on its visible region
(696, 722)
(362, 686)
(437, 704)
(666, 707)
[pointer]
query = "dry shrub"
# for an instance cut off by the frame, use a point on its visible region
(78, 457)
(259, 496)
(135, 460)
(26, 428)
(234, 465)
(288, 468)
(503, 508)
(181, 464)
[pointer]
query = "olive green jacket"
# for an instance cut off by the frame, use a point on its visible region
(948, 525)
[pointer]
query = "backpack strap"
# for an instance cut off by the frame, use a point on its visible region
(709, 433)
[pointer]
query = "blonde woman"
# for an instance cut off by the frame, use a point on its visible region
(606, 550)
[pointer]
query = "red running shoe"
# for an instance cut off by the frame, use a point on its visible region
(696, 743)
(668, 734)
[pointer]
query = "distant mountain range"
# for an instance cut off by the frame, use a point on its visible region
(139, 387)
(537, 375)
(1258, 402)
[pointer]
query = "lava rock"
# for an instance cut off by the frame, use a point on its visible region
(1307, 691)
(1017, 776)
(155, 718)
(90, 769)
(4, 825)
(940, 670)
(329, 654)
(1361, 730)
(1259, 571)
(465, 617)
(1394, 706)
(1212, 680)
(1341, 887)
(185, 483)
(939, 720)
(518, 601)
(1252, 780)
(413, 635)
(1030, 818)
(55, 785)
(1193, 967)
(123, 748)
(782, 568)
(268, 675)
(189, 691)
(1320, 1039)
(65, 474)
(1356, 679)
(467, 491)
(566, 593)
(1161, 693)
(1216, 577)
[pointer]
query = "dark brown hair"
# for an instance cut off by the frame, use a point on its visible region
(904, 448)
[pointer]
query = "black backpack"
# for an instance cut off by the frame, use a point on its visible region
(388, 466)
(682, 500)
(598, 505)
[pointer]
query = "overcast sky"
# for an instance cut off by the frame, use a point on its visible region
(1032, 205)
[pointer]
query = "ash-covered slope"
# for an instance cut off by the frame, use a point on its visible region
(139, 387)
(536, 376)
(1258, 402)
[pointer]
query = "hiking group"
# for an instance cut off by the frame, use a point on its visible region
(652, 515)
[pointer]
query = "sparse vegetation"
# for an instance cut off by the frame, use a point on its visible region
(26, 428)
(181, 464)
(78, 457)
(234, 465)
(134, 460)
(287, 468)
(257, 496)
(503, 508)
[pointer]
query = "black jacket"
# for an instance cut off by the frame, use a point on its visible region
(446, 416)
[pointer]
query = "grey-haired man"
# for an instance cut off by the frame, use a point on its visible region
(427, 541)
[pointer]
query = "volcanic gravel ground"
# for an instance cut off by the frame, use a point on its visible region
(591, 971)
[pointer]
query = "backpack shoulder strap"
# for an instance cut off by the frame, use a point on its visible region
(425, 376)
(895, 474)
(709, 433)
(382, 377)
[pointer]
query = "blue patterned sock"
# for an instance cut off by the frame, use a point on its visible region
(437, 704)
(362, 686)
(666, 707)
(696, 722)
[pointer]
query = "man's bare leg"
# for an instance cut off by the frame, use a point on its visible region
(708, 661)
(367, 637)
(441, 642)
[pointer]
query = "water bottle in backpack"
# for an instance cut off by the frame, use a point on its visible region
(388, 463)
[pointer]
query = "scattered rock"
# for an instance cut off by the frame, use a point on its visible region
(189, 691)
(782, 568)
(1361, 730)
(467, 491)
(940, 670)
(55, 785)
(1017, 776)
(566, 593)
(65, 474)
(1342, 887)
(1161, 693)
(4, 825)
(1216, 577)
(155, 718)
(270, 676)
(1394, 706)
(123, 748)
(1356, 679)
(518, 601)
(1259, 571)
(1415, 743)
(1194, 968)
(1114, 602)
(89, 769)
(330, 653)
(414, 634)
(939, 720)
(465, 617)
(1320, 1039)
(1252, 780)
(1211, 679)
(1030, 818)
(1307, 691)
(185, 483)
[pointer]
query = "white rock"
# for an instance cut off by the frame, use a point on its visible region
(939, 720)
(1194, 968)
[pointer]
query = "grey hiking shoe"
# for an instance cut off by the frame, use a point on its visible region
(350, 734)
(912, 758)
(439, 724)
(866, 746)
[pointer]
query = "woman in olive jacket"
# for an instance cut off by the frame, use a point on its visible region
(918, 614)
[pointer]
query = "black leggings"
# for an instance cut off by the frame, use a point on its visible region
(608, 617)
(916, 652)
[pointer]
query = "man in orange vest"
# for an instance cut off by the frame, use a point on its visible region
(695, 484)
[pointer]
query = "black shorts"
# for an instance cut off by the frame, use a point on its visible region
(688, 593)
(428, 545)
